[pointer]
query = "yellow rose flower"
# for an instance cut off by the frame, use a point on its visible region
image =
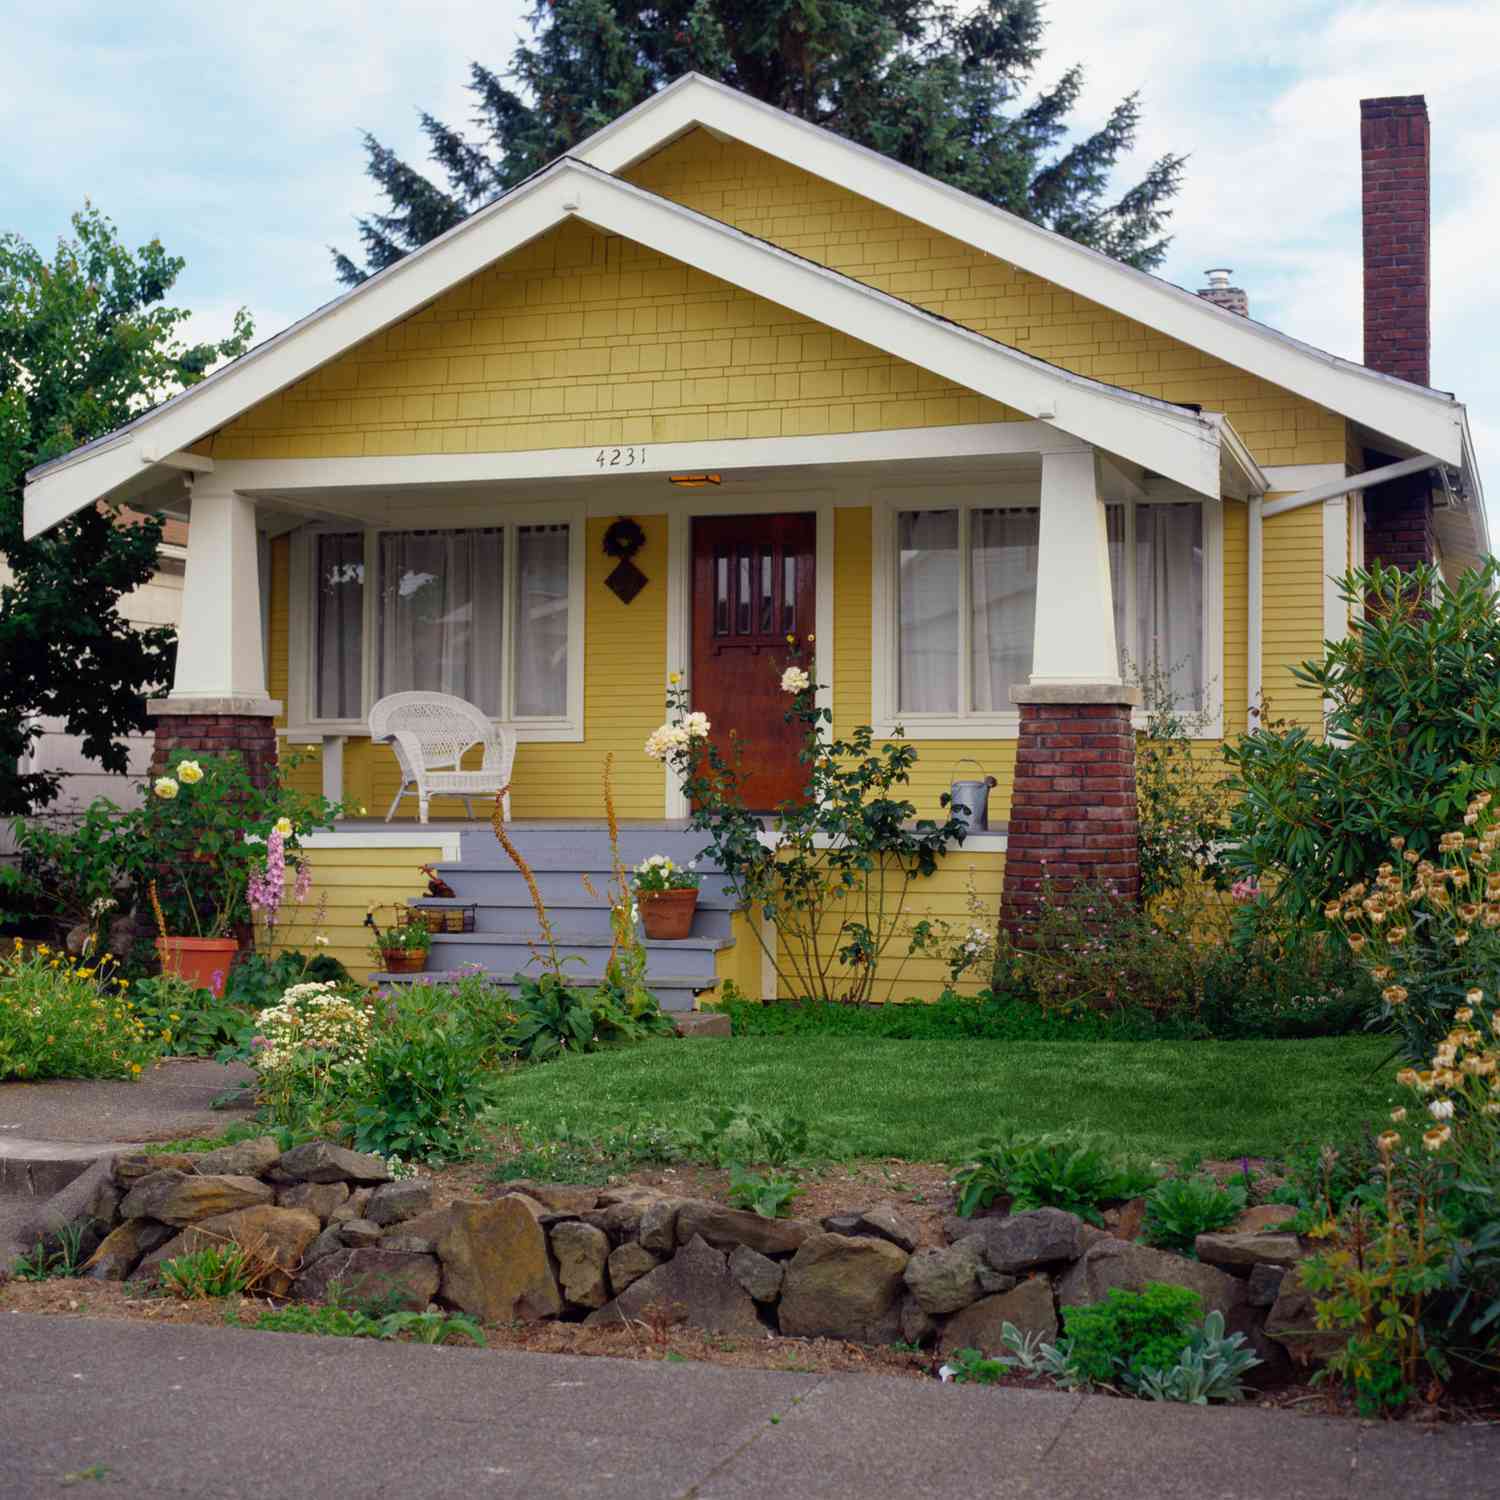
(189, 772)
(284, 827)
(165, 788)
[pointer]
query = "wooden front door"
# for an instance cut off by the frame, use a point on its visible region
(752, 588)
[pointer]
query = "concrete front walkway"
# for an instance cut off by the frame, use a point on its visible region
(50, 1132)
(177, 1411)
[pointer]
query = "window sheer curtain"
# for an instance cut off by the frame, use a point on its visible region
(1002, 574)
(340, 625)
(541, 621)
(927, 628)
(442, 616)
(1169, 598)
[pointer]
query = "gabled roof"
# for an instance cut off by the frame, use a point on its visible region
(1171, 440)
(1428, 421)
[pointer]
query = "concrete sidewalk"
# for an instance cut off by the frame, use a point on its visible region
(235, 1415)
(173, 1099)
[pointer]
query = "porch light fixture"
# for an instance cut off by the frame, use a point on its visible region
(695, 481)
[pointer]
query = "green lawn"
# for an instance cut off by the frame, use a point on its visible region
(929, 1101)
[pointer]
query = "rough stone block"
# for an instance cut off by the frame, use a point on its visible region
(840, 1287)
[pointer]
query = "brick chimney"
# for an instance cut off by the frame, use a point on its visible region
(1221, 294)
(1394, 145)
(1396, 169)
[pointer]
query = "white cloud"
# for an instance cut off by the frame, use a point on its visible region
(233, 134)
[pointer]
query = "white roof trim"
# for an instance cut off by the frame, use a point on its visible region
(1170, 440)
(1430, 421)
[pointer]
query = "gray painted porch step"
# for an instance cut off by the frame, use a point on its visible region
(502, 953)
(582, 916)
(503, 885)
(576, 848)
(675, 994)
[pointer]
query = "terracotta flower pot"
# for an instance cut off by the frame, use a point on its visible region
(203, 962)
(668, 914)
(404, 960)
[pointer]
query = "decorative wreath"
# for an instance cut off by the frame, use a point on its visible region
(624, 538)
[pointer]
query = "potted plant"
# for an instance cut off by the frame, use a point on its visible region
(402, 947)
(667, 894)
(212, 843)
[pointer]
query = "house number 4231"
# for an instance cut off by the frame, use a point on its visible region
(620, 458)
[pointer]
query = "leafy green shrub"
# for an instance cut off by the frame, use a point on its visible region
(1048, 1172)
(551, 1018)
(256, 981)
(1412, 694)
(1428, 930)
(213, 1271)
(62, 1017)
(421, 1088)
(195, 1023)
(1208, 1368)
(765, 1194)
(1179, 1209)
(1130, 1333)
(849, 847)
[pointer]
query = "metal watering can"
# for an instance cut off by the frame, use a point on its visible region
(971, 799)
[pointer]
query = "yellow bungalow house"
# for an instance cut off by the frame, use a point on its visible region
(978, 465)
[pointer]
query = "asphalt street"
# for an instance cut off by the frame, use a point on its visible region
(177, 1411)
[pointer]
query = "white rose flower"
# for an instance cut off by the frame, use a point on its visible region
(696, 725)
(795, 680)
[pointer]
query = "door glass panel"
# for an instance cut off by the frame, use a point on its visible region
(743, 623)
(767, 592)
(789, 595)
(721, 593)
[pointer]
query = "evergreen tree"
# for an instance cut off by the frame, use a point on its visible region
(927, 82)
(86, 343)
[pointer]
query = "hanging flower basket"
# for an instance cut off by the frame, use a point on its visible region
(203, 962)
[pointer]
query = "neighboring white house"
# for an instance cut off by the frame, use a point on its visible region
(158, 602)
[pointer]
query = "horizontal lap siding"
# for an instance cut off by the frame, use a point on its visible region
(1293, 629)
(348, 882)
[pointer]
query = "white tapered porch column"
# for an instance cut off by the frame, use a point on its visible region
(1073, 812)
(219, 702)
(1075, 614)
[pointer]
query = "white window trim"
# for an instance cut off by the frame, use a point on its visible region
(1005, 724)
(302, 605)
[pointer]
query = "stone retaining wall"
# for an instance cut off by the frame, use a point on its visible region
(326, 1221)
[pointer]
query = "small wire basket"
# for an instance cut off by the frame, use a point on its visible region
(450, 918)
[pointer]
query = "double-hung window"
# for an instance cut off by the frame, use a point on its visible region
(490, 614)
(956, 611)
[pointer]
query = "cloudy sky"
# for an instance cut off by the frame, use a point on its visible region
(233, 135)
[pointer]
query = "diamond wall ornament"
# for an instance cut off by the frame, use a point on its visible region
(626, 581)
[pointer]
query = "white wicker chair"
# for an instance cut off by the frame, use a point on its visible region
(431, 733)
